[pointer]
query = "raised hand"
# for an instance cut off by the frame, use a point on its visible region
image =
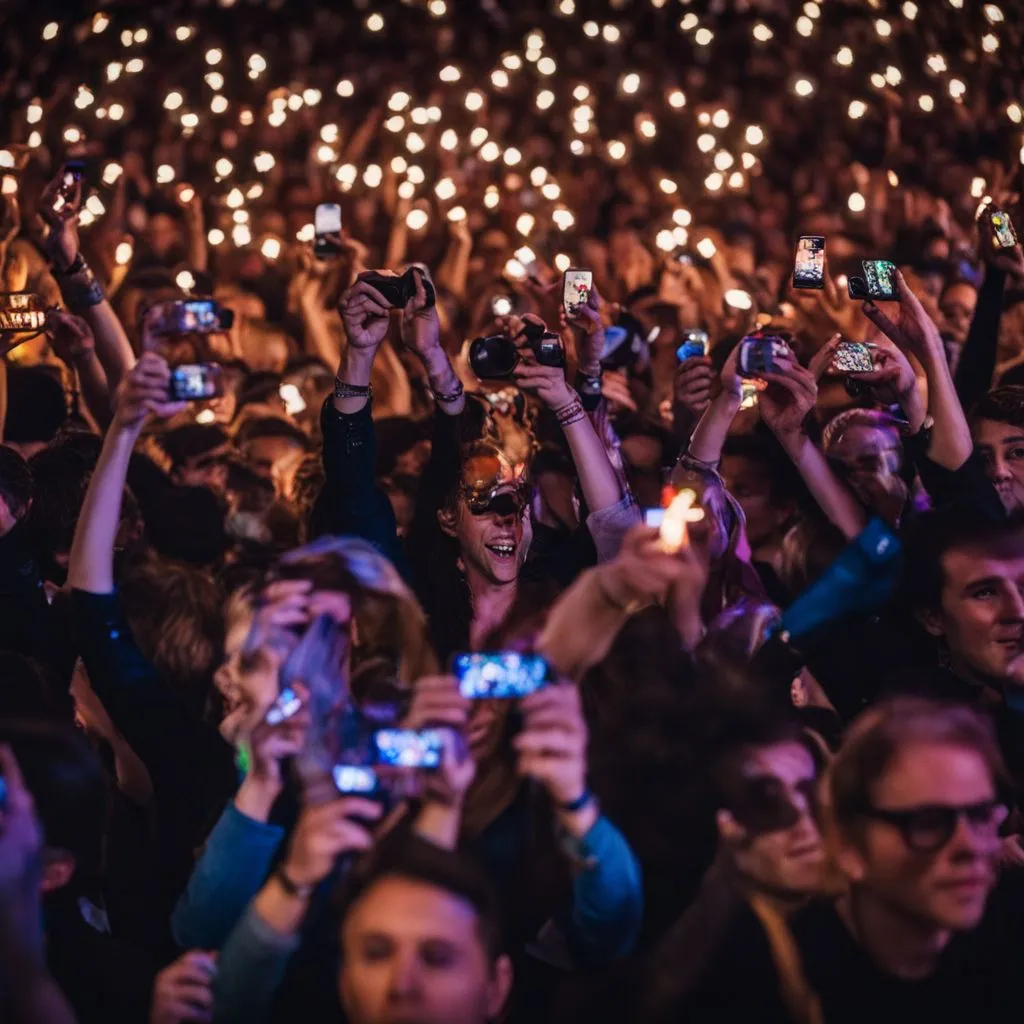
(366, 315)
(183, 992)
(324, 832)
(420, 325)
(70, 336)
(692, 386)
(60, 214)
(791, 394)
(145, 392)
(913, 330)
(893, 381)
(1010, 261)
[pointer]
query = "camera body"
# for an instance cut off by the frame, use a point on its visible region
(398, 290)
(496, 356)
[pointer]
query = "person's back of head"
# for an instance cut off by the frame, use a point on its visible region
(187, 525)
(36, 408)
(421, 938)
(191, 440)
(69, 789)
(17, 486)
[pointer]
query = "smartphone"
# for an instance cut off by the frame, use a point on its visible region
(1002, 230)
(695, 343)
(758, 354)
(408, 748)
(853, 357)
(576, 286)
(354, 778)
(749, 392)
(326, 221)
(193, 316)
(287, 703)
(809, 266)
(880, 277)
(71, 174)
(22, 311)
(499, 675)
(195, 382)
(857, 288)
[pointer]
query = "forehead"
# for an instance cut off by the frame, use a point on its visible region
(929, 772)
(791, 762)
(992, 432)
(403, 907)
(860, 439)
(962, 294)
(961, 565)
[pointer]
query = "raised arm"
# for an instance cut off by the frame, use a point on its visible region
(712, 429)
(79, 288)
(790, 396)
(73, 341)
(914, 332)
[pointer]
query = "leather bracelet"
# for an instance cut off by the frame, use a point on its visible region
(293, 889)
(342, 389)
(452, 396)
(579, 803)
(571, 413)
(574, 418)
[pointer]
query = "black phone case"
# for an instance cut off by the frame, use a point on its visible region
(399, 290)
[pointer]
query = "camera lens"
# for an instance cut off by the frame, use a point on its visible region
(493, 358)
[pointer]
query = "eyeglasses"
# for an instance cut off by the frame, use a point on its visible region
(929, 828)
(762, 805)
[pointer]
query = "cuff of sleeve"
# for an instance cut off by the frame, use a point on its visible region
(269, 938)
(240, 828)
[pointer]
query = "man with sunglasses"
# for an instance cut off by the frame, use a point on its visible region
(914, 800)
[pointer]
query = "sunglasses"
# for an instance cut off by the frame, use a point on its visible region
(929, 828)
(491, 487)
(763, 806)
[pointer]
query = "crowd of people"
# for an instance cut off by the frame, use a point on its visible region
(670, 671)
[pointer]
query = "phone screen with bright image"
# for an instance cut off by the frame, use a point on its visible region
(880, 276)
(809, 267)
(576, 290)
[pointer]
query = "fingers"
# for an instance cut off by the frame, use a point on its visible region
(823, 357)
(366, 290)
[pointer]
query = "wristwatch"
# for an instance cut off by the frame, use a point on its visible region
(589, 390)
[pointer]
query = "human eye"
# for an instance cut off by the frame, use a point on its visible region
(376, 948)
(1015, 454)
(438, 955)
(983, 593)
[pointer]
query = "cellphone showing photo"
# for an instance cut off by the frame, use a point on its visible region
(809, 266)
(354, 778)
(880, 278)
(1002, 230)
(195, 382)
(499, 675)
(326, 221)
(409, 748)
(576, 286)
(759, 353)
(695, 343)
(853, 357)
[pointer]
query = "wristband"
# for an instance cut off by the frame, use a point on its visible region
(342, 389)
(452, 396)
(579, 803)
(300, 892)
(589, 389)
(82, 294)
(77, 265)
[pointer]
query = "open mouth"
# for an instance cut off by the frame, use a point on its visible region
(502, 549)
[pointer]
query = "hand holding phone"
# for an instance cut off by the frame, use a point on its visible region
(1003, 235)
(853, 357)
(695, 344)
(759, 353)
(408, 748)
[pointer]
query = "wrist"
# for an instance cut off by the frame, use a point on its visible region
(357, 366)
(580, 821)
(256, 795)
(295, 881)
(793, 443)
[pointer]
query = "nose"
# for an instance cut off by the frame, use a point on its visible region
(1000, 469)
(967, 843)
(1013, 605)
(403, 982)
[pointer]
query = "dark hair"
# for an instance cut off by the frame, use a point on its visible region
(16, 484)
(61, 472)
(939, 531)
(187, 525)
(403, 855)
(271, 426)
(36, 406)
(191, 439)
(1004, 404)
(876, 737)
(68, 786)
(29, 693)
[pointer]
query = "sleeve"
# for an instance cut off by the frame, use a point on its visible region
(233, 866)
(250, 968)
(190, 765)
(978, 359)
(967, 486)
(607, 903)
(609, 526)
(354, 504)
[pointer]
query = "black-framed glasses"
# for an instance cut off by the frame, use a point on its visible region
(927, 829)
